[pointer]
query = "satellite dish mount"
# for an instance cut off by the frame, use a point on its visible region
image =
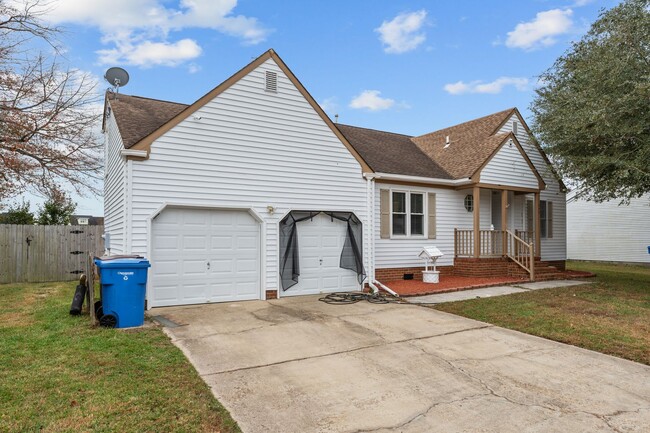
(116, 77)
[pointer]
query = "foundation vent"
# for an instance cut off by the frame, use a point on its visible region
(271, 83)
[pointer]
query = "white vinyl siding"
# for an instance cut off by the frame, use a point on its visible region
(114, 186)
(554, 248)
(509, 167)
(450, 213)
(251, 149)
(609, 232)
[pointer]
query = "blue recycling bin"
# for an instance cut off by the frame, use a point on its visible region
(123, 287)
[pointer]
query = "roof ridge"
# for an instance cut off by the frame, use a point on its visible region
(151, 99)
(469, 121)
(376, 130)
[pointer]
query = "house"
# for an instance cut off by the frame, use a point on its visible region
(86, 220)
(252, 192)
(608, 231)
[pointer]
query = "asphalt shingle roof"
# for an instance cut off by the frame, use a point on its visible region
(138, 117)
(471, 143)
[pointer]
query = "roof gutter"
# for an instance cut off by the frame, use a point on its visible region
(418, 179)
(133, 153)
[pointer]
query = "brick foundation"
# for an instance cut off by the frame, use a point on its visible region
(492, 267)
(271, 294)
(392, 274)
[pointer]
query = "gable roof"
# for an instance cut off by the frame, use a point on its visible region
(137, 117)
(471, 144)
(149, 136)
(387, 152)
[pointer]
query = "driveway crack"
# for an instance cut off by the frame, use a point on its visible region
(421, 414)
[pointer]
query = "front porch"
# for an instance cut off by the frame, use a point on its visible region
(512, 244)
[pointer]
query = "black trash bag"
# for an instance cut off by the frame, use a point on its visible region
(78, 300)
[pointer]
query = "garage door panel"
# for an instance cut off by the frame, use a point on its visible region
(195, 242)
(194, 267)
(221, 242)
(203, 256)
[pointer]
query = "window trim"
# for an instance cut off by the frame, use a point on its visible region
(424, 214)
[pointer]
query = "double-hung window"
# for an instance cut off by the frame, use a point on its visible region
(407, 213)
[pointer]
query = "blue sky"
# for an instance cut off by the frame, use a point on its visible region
(405, 66)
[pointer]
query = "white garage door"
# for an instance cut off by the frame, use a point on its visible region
(320, 242)
(201, 256)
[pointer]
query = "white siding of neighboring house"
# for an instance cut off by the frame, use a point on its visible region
(450, 214)
(609, 232)
(509, 167)
(253, 149)
(554, 248)
(114, 186)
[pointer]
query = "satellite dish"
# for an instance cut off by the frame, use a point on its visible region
(117, 77)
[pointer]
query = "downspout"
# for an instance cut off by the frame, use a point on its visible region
(372, 282)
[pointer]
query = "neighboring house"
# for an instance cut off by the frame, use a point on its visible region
(253, 192)
(608, 231)
(86, 220)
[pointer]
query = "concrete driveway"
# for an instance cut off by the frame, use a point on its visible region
(299, 365)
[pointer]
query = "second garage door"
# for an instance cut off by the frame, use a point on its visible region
(320, 242)
(201, 255)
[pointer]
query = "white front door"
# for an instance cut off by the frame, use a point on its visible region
(202, 255)
(320, 243)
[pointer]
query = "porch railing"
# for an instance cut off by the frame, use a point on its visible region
(521, 253)
(497, 243)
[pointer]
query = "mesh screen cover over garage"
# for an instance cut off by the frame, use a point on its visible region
(351, 256)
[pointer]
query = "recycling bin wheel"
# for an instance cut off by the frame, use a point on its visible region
(108, 321)
(98, 309)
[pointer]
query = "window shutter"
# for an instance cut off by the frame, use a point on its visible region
(530, 216)
(549, 218)
(432, 215)
(384, 217)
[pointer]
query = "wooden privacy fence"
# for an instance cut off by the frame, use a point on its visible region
(37, 254)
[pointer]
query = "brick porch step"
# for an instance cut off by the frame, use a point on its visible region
(543, 271)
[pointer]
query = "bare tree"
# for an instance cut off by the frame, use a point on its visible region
(47, 113)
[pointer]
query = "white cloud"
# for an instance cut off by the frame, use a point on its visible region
(402, 33)
(143, 27)
(370, 100)
(493, 87)
(541, 31)
(578, 3)
(329, 104)
(147, 53)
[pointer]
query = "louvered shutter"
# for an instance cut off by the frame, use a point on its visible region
(384, 217)
(549, 218)
(431, 218)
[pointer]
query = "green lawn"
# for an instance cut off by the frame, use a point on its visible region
(57, 373)
(610, 315)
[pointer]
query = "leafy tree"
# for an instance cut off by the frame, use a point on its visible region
(47, 111)
(592, 111)
(56, 210)
(18, 214)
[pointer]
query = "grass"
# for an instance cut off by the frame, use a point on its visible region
(58, 374)
(611, 315)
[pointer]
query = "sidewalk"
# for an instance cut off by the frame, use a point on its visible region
(492, 291)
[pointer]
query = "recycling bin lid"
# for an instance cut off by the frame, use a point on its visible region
(122, 262)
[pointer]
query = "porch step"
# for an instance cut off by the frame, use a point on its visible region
(543, 271)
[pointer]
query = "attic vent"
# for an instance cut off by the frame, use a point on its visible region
(515, 127)
(271, 82)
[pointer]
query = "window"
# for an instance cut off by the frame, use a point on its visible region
(545, 218)
(469, 202)
(399, 213)
(515, 127)
(407, 213)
